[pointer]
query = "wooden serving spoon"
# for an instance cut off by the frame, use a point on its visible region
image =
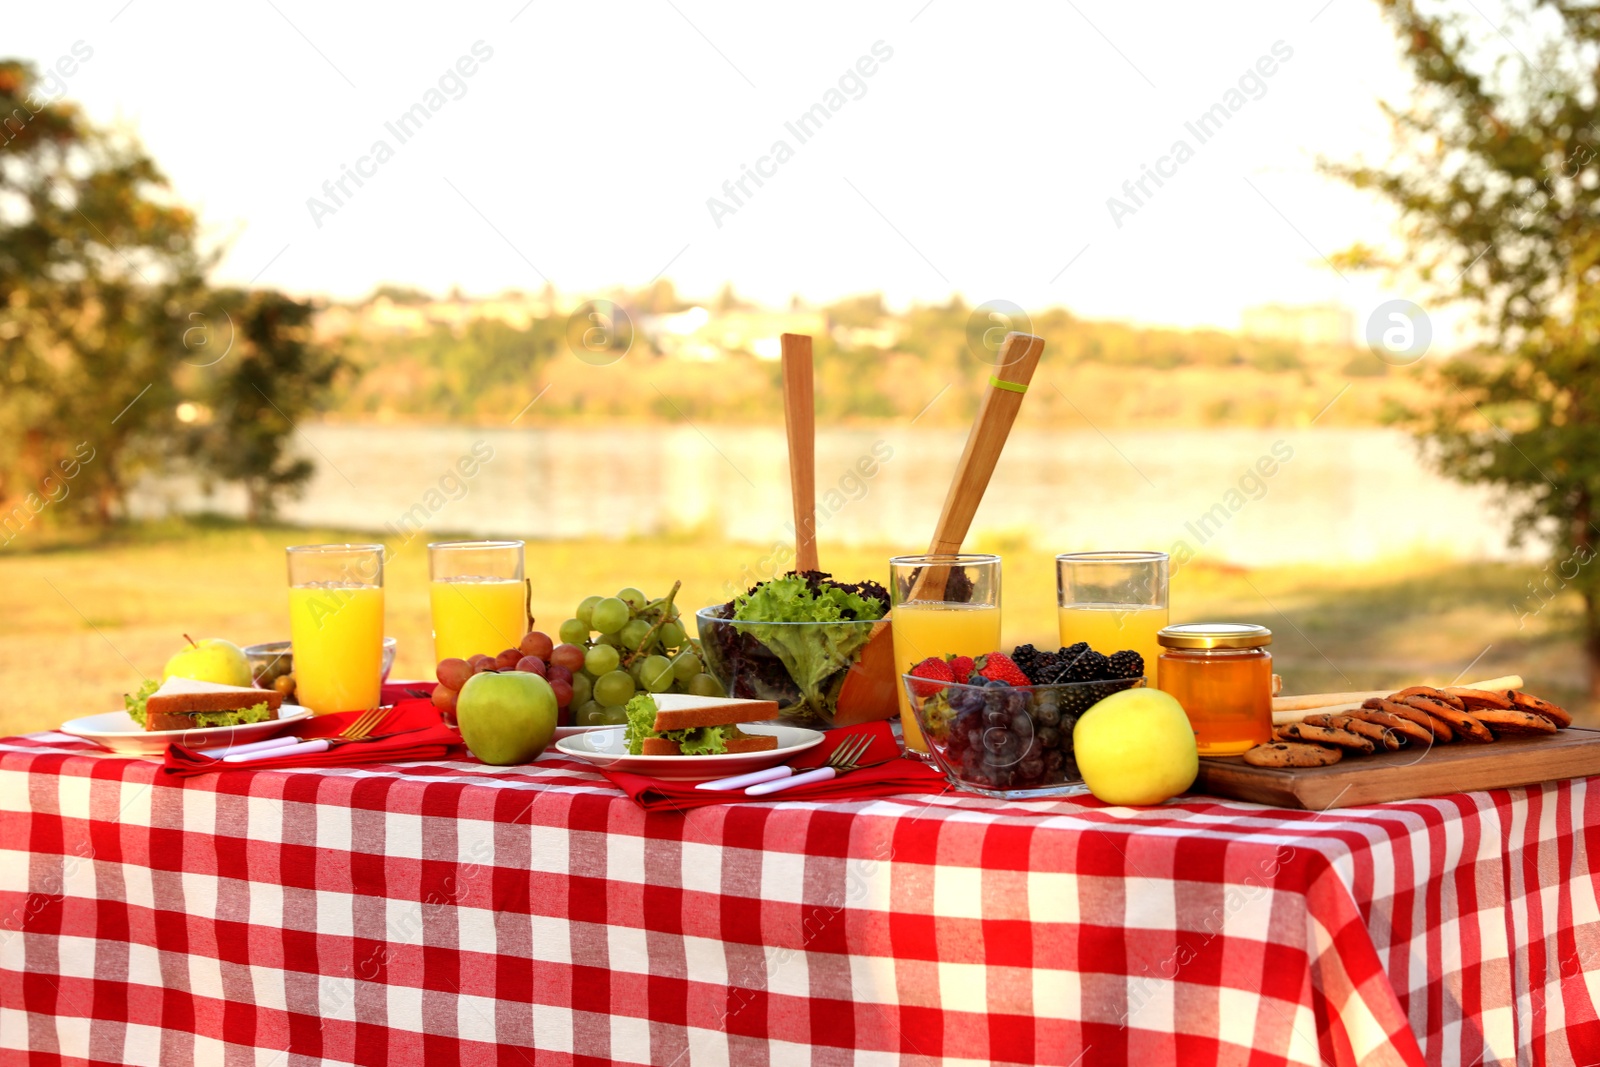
(1019, 357)
(799, 419)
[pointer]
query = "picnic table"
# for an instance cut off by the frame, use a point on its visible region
(452, 913)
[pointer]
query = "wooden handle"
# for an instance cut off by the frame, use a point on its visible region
(1019, 356)
(799, 418)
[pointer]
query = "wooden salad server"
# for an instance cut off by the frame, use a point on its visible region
(800, 421)
(1019, 357)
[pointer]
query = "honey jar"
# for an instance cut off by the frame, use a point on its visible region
(1222, 675)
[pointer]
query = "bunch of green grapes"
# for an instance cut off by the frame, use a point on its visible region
(619, 645)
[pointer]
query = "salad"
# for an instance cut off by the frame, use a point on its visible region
(795, 639)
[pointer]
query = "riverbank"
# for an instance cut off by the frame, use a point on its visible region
(89, 616)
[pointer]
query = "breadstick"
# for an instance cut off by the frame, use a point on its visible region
(1325, 701)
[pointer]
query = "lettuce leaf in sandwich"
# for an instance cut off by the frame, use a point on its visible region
(135, 701)
(699, 741)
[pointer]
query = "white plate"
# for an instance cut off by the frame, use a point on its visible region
(114, 731)
(607, 748)
(573, 731)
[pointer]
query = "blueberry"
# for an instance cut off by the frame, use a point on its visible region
(1049, 736)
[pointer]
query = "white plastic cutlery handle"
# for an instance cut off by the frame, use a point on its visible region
(257, 746)
(318, 745)
(821, 774)
(739, 781)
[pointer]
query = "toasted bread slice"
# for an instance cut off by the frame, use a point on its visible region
(685, 711)
(660, 746)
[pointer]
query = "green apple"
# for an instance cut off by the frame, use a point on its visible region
(506, 716)
(1136, 747)
(209, 659)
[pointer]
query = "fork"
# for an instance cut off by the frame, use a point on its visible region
(843, 757)
(359, 730)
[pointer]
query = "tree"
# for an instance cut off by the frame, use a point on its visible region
(97, 269)
(1498, 199)
(270, 376)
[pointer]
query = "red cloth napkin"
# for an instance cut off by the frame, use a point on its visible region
(420, 733)
(899, 775)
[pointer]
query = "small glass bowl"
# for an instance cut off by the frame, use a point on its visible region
(272, 659)
(1007, 742)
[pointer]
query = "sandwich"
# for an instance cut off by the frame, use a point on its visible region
(185, 704)
(681, 724)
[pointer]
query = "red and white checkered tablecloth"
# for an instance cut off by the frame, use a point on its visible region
(448, 913)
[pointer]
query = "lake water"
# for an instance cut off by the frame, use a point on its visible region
(1239, 496)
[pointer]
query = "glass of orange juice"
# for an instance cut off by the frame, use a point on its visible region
(1113, 601)
(941, 605)
(478, 598)
(336, 625)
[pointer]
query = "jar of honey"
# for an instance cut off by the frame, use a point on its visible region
(1222, 675)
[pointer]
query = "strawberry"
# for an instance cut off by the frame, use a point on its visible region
(998, 666)
(961, 667)
(935, 670)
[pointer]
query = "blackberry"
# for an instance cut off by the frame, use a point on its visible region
(1087, 666)
(1126, 664)
(1028, 660)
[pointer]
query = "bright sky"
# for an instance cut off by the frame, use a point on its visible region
(977, 157)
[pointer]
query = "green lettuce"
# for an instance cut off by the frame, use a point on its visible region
(699, 741)
(811, 654)
(255, 713)
(135, 701)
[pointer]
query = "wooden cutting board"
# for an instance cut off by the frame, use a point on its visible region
(1406, 774)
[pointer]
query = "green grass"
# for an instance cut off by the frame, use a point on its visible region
(87, 616)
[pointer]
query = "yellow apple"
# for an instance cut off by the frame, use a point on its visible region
(1136, 747)
(210, 659)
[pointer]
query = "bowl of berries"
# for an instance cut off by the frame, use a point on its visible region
(1001, 726)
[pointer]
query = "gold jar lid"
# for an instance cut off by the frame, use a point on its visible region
(1214, 635)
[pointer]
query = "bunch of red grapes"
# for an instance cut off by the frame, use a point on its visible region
(535, 654)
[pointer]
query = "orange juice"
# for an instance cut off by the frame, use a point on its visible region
(337, 632)
(1111, 628)
(936, 628)
(473, 615)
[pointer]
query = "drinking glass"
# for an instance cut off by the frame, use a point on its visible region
(336, 626)
(1114, 601)
(941, 605)
(478, 597)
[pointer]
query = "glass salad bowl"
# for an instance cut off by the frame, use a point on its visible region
(821, 674)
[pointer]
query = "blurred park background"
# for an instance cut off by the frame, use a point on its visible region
(1372, 260)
